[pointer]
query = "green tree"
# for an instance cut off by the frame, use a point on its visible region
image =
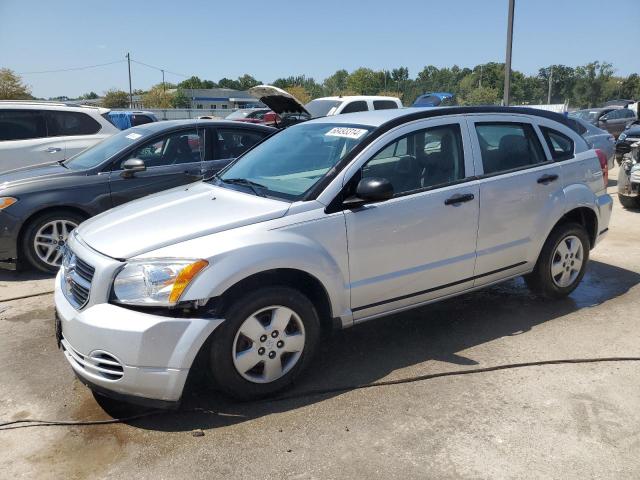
(196, 82)
(246, 81)
(11, 86)
(228, 83)
(89, 96)
(180, 99)
(590, 82)
(365, 81)
(336, 84)
(114, 98)
(157, 97)
(481, 96)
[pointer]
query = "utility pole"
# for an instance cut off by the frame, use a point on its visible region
(480, 82)
(130, 91)
(550, 82)
(507, 66)
(164, 88)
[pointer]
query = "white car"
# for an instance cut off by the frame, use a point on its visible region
(39, 132)
(288, 106)
(334, 221)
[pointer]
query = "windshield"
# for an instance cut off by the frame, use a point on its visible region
(320, 108)
(287, 165)
(96, 155)
(584, 114)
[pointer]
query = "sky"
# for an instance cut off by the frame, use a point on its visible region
(278, 38)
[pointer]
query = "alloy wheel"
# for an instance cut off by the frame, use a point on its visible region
(50, 239)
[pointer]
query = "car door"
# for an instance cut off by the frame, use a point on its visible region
(171, 159)
(228, 144)
(520, 189)
(77, 129)
(23, 139)
(421, 243)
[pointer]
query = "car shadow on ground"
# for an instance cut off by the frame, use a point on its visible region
(371, 351)
(23, 275)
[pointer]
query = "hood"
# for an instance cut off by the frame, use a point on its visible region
(278, 100)
(33, 173)
(175, 216)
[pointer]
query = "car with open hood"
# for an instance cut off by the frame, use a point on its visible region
(291, 111)
(330, 222)
(41, 204)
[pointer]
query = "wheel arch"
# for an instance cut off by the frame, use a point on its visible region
(33, 215)
(300, 280)
(584, 216)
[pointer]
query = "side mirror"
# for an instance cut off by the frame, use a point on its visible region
(603, 120)
(370, 190)
(131, 166)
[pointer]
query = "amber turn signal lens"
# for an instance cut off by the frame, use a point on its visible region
(184, 277)
(7, 201)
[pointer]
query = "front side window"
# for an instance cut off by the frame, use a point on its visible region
(560, 145)
(290, 163)
(234, 142)
(175, 148)
(61, 124)
(359, 106)
(423, 159)
(508, 146)
(22, 124)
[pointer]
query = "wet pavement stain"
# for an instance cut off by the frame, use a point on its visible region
(26, 317)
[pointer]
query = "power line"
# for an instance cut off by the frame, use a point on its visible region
(72, 68)
(160, 69)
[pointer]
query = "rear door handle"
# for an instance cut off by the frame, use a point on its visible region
(546, 179)
(459, 198)
(54, 149)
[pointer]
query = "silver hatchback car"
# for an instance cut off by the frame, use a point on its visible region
(334, 221)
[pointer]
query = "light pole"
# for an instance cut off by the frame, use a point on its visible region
(550, 81)
(507, 66)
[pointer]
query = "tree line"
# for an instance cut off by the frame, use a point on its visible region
(581, 86)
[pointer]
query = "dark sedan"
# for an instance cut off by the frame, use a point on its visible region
(627, 138)
(40, 205)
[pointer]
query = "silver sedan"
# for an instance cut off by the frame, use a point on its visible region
(601, 139)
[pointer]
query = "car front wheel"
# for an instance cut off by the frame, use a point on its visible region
(267, 339)
(562, 262)
(44, 239)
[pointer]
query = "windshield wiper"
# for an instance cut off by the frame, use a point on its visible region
(246, 182)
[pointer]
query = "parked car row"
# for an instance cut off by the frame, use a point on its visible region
(333, 221)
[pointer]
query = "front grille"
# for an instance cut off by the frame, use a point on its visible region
(77, 276)
(99, 363)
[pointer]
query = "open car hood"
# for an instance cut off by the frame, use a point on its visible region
(278, 100)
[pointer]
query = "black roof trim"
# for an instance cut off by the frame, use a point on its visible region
(431, 113)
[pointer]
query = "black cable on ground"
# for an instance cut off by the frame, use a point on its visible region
(26, 423)
(26, 296)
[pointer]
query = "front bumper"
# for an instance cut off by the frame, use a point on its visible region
(130, 353)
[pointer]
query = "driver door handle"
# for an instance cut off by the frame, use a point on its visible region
(546, 179)
(459, 198)
(54, 149)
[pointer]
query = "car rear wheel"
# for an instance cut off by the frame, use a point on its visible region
(267, 339)
(562, 262)
(44, 239)
(632, 203)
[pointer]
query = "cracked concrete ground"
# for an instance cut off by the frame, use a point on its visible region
(562, 421)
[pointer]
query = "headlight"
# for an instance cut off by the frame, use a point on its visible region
(6, 202)
(622, 136)
(158, 282)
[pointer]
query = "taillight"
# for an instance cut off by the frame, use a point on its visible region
(604, 165)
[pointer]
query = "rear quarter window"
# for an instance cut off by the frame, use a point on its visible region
(63, 124)
(384, 105)
(560, 146)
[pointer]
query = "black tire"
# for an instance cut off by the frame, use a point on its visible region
(221, 365)
(28, 248)
(541, 280)
(632, 203)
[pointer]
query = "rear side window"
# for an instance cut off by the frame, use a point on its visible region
(61, 124)
(384, 105)
(629, 113)
(234, 142)
(508, 146)
(22, 124)
(358, 106)
(559, 144)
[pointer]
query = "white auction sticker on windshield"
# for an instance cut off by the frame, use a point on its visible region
(346, 132)
(134, 136)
